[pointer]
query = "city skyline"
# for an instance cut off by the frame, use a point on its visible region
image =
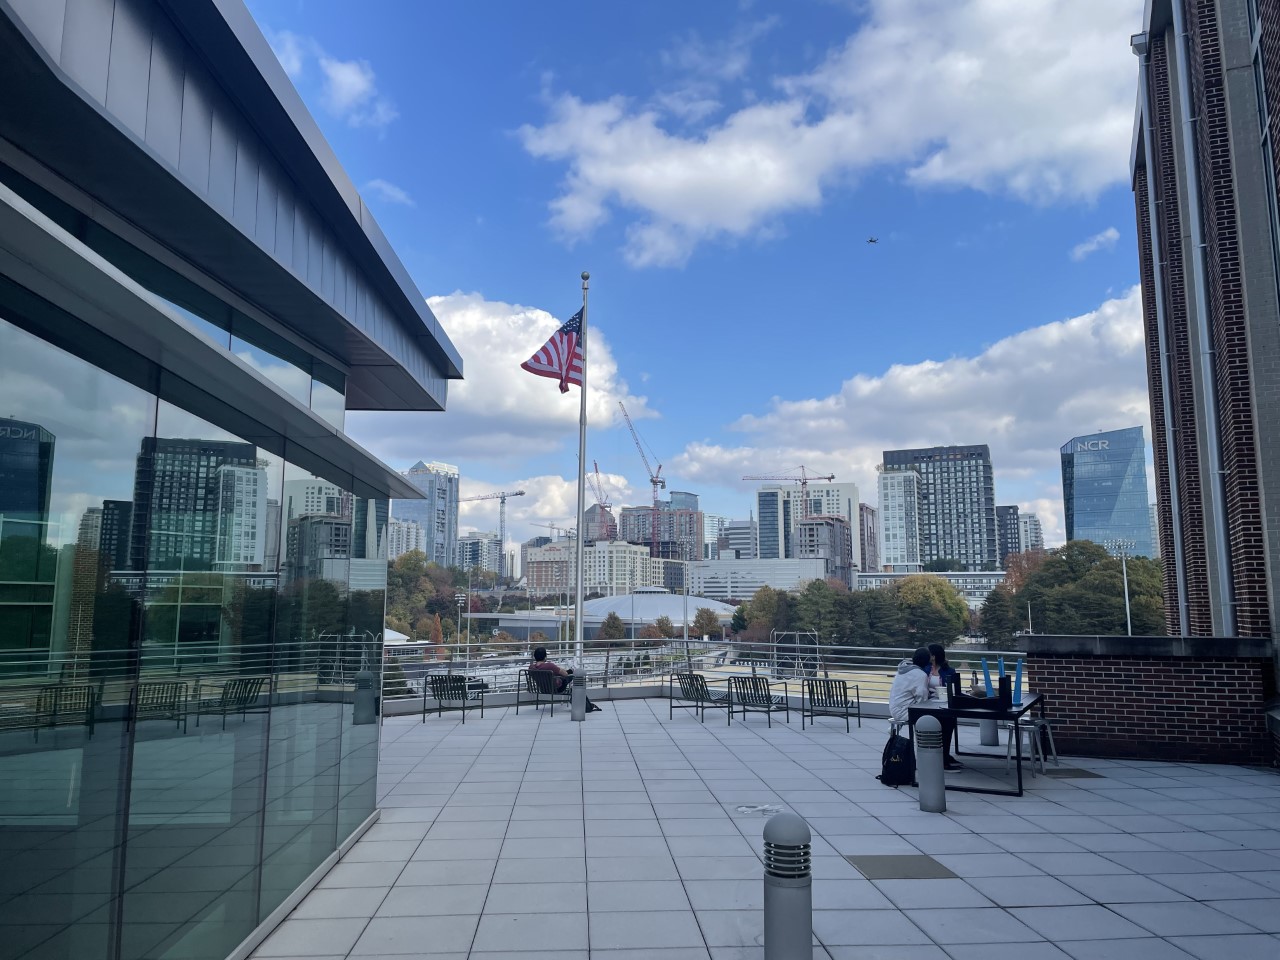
(1004, 218)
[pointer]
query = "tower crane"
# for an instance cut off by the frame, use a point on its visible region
(803, 479)
(501, 497)
(597, 487)
(655, 480)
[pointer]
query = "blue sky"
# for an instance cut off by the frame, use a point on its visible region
(718, 168)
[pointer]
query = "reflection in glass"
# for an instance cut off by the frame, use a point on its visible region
(328, 393)
(65, 628)
(279, 360)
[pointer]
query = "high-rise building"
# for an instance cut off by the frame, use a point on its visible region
(869, 537)
(600, 523)
(1030, 533)
(828, 539)
(1008, 532)
(318, 547)
(242, 518)
(482, 551)
(609, 567)
(680, 530)
(303, 495)
(957, 502)
(436, 512)
(713, 525)
(1104, 491)
(26, 476)
(780, 508)
(403, 536)
(177, 490)
(1206, 161)
(738, 540)
(900, 520)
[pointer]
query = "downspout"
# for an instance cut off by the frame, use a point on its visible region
(1212, 441)
(1157, 268)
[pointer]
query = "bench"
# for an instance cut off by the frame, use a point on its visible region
(693, 688)
(238, 695)
(541, 685)
(756, 694)
(829, 698)
(160, 700)
(452, 688)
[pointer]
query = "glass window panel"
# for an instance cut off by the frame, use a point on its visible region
(280, 361)
(67, 449)
(329, 393)
(203, 508)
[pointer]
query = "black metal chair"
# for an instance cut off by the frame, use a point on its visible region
(239, 695)
(756, 694)
(541, 685)
(65, 704)
(452, 688)
(160, 700)
(693, 688)
(829, 698)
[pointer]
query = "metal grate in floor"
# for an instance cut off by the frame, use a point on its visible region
(900, 867)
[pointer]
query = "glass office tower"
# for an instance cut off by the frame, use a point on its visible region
(191, 297)
(1104, 491)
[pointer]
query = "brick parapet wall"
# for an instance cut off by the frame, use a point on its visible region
(1200, 709)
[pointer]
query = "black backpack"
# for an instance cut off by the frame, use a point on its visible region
(898, 764)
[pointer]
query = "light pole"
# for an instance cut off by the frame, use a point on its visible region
(459, 599)
(1123, 547)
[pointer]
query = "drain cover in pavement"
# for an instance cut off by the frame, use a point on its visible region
(1073, 773)
(899, 867)
(763, 809)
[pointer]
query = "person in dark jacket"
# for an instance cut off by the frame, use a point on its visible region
(940, 674)
(563, 677)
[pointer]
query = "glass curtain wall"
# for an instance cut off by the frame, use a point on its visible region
(188, 674)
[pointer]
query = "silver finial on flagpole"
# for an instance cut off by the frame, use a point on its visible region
(585, 276)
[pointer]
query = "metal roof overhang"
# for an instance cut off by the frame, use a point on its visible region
(87, 148)
(43, 258)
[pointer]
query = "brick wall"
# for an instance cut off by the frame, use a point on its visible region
(1201, 709)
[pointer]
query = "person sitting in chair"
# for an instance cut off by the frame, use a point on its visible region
(563, 677)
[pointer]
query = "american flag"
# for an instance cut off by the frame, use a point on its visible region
(560, 357)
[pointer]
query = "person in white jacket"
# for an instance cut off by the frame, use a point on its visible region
(910, 686)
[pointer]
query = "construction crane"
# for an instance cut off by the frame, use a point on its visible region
(569, 532)
(501, 497)
(597, 487)
(655, 480)
(803, 479)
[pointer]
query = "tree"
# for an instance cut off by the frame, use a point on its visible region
(943, 565)
(651, 631)
(932, 609)
(816, 609)
(705, 623)
(1018, 568)
(665, 627)
(739, 621)
(763, 608)
(612, 628)
(1000, 617)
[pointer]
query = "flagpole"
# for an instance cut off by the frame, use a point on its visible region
(582, 478)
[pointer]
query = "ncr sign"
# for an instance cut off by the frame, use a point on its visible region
(1085, 445)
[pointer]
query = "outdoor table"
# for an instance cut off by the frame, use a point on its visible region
(1012, 714)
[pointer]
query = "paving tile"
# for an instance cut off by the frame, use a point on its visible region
(436, 872)
(1005, 951)
(393, 936)
(913, 895)
(339, 903)
(302, 938)
(405, 901)
(546, 870)
(1246, 947)
(636, 895)
(1073, 864)
(1078, 922)
(1263, 915)
(1144, 948)
(737, 894)
(346, 875)
(1214, 886)
(732, 928)
(536, 898)
(899, 867)
(1028, 892)
(514, 931)
(1181, 919)
(1123, 888)
(865, 928)
(974, 926)
(642, 930)
(719, 868)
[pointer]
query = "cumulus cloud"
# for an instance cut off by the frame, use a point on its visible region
(968, 93)
(385, 190)
(1106, 240)
(348, 88)
(1025, 395)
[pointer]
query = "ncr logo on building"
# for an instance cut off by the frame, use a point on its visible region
(1084, 445)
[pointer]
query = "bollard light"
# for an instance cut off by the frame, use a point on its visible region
(788, 888)
(929, 772)
(578, 698)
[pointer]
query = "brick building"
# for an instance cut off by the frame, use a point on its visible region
(1204, 167)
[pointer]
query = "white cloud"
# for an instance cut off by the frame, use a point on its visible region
(1025, 395)
(970, 93)
(1106, 240)
(348, 88)
(385, 190)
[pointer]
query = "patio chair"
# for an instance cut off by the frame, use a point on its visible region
(238, 695)
(693, 688)
(452, 688)
(829, 698)
(65, 704)
(756, 693)
(541, 685)
(160, 700)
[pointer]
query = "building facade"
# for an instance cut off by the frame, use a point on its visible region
(973, 586)
(680, 529)
(479, 551)
(712, 530)
(1205, 161)
(900, 520)
(436, 512)
(1030, 532)
(1008, 531)
(1104, 491)
(780, 508)
(600, 523)
(404, 536)
(736, 581)
(830, 540)
(192, 295)
(608, 567)
(957, 506)
(738, 540)
(869, 537)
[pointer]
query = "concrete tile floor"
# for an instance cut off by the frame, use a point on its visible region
(634, 836)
